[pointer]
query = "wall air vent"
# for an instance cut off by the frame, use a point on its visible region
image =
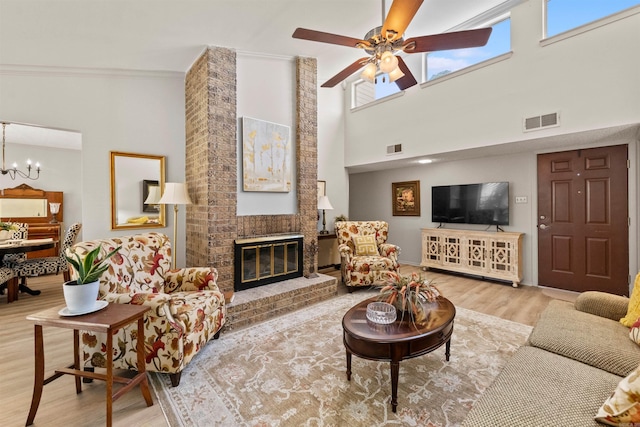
(394, 149)
(540, 122)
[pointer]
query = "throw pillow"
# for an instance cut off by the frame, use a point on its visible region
(634, 333)
(365, 245)
(633, 312)
(623, 407)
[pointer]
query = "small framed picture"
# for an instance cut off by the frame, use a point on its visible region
(322, 188)
(406, 198)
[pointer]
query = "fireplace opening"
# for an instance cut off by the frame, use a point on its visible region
(264, 260)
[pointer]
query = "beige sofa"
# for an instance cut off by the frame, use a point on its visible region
(575, 357)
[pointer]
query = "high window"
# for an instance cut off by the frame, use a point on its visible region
(365, 92)
(444, 62)
(564, 15)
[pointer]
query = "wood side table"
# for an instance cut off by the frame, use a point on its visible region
(107, 320)
(400, 340)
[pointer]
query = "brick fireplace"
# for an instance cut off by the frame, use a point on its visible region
(211, 174)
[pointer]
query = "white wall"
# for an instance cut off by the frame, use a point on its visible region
(591, 79)
(138, 112)
(266, 91)
(331, 153)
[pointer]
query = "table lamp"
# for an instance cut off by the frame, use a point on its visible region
(324, 204)
(54, 208)
(153, 197)
(175, 193)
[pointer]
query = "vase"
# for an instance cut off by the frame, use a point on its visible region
(80, 298)
(5, 235)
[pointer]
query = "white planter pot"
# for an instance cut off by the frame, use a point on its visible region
(5, 235)
(80, 298)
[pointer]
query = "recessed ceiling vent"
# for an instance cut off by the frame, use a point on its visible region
(540, 122)
(394, 149)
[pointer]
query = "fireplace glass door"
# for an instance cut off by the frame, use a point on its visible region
(264, 260)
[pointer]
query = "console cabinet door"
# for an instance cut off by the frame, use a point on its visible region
(476, 254)
(452, 255)
(431, 249)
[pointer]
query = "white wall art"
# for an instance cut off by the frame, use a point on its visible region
(266, 156)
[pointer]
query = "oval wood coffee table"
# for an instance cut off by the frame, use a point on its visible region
(400, 340)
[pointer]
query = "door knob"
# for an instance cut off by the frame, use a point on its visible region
(543, 226)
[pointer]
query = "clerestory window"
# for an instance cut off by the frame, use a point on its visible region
(565, 15)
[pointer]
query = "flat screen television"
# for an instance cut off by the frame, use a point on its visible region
(486, 203)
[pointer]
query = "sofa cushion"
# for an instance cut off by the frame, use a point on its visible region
(366, 245)
(633, 311)
(538, 388)
(623, 407)
(590, 339)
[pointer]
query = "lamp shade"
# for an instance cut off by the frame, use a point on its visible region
(388, 62)
(395, 74)
(154, 195)
(369, 72)
(175, 193)
(54, 207)
(324, 203)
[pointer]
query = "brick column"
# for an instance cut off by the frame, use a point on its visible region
(307, 156)
(211, 174)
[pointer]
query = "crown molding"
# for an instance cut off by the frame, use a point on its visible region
(35, 70)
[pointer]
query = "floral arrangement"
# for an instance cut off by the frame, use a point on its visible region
(7, 226)
(408, 293)
(91, 267)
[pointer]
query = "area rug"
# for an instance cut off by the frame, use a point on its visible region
(291, 371)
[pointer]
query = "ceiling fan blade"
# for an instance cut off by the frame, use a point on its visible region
(319, 36)
(346, 72)
(400, 15)
(446, 41)
(407, 80)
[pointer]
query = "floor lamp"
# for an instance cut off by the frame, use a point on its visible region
(175, 193)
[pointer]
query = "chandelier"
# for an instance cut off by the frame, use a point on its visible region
(13, 171)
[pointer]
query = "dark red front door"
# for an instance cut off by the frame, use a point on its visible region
(583, 228)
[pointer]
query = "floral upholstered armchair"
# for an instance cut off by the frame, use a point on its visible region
(364, 253)
(187, 308)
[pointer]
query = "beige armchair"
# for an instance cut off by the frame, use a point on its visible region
(365, 254)
(187, 308)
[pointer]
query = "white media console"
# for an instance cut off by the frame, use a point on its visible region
(483, 253)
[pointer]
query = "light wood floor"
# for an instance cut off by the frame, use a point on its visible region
(60, 406)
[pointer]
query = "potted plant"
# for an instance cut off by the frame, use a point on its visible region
(81, 294)
(409, 294)
(6, 229)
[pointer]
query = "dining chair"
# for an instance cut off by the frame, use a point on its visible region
(21, 232)
(8, 280)
(48, 265)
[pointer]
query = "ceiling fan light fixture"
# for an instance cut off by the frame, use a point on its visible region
(369, 72)
(388, 62)
(395, 74)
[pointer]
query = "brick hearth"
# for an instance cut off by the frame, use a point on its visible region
(255, 305)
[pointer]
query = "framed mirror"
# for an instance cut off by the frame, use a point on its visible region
(137, 181)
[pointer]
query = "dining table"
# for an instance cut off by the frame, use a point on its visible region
(18, 246)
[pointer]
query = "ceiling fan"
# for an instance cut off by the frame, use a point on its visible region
(382, 43)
